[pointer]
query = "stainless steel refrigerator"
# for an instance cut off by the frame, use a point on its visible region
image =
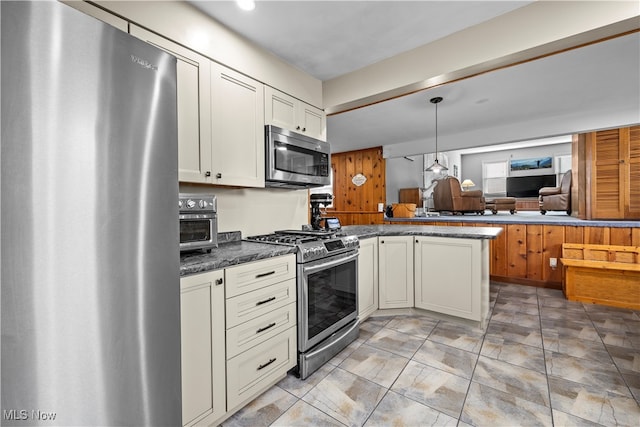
(89, 221)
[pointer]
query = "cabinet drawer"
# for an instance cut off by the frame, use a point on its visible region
(255, 275)
(260, 329)
(245, 307)
(260, 366)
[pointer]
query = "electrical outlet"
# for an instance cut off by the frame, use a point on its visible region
(553, 262)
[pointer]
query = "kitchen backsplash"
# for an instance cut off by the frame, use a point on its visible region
(256, 210)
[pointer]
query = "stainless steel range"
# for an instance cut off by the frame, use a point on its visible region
(327, 279)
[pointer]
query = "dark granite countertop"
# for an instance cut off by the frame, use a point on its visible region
(229, 252)
(365, 231)
(232, 251)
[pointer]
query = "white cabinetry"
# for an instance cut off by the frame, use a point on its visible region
(194, 107)
(290, 113)
(451, 276)
(98, 13)
(237, 123)
(367, 277)
(220, 119)
(202, 352)
(395, 271)
(261, 326)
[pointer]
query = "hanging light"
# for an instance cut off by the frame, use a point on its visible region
(436, 167)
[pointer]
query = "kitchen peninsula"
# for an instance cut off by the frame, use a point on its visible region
(436, 268)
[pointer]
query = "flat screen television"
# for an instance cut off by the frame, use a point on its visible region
(528, 186)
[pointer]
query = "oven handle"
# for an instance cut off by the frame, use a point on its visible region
(339, 260)
(332, 343)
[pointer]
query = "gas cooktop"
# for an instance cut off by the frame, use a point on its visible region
(312, 244)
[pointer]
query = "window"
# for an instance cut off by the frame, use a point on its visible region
(494, 178)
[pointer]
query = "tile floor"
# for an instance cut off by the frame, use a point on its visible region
(542, 361)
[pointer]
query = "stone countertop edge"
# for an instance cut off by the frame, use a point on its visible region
(495, 219)
(366, 231)
(228, 254)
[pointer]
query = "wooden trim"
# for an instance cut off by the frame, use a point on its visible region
(527, 282)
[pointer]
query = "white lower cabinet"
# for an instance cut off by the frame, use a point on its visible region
(239, 336)
(395, 271)
(258, 368)
(449, 276)
(367, 277)
(261, 336)
(202, 348)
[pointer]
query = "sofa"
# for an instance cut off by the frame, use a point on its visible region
(449, 197)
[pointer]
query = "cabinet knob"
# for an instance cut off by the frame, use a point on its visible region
(219, 281)
(381, 241)
(304, 129)
(218, 175)
(297, 127)
(207, 173)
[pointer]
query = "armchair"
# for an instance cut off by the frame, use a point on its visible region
(448, 196)
(556, 198)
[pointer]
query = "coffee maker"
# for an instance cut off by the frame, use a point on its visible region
(316, 201)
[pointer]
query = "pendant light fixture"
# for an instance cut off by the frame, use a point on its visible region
(436, 167)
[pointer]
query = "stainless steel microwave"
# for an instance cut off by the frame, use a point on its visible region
(294, 160)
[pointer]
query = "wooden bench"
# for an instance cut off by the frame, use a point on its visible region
(602, 274)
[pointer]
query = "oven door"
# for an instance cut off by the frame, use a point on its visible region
(327, 297)
(198, 231)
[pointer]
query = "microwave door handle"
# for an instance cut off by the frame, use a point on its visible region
(330, 264)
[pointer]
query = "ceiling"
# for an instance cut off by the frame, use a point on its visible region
(592, 87)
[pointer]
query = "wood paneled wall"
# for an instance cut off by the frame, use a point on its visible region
(520, 254)
(357, 205)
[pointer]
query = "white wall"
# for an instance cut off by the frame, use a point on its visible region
(402, 173)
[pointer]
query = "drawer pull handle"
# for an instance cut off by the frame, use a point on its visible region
(267, 364)
(269, 326)
(268, 273)
(265, 301)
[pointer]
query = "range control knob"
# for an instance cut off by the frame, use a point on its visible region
(179, 204)
(202, 204)
(190, 203)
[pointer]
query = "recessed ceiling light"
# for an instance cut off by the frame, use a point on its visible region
(246, 4)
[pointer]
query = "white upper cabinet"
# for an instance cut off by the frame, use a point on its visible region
(237, 123)
(290, 113)
(98, 13)
(194, 107)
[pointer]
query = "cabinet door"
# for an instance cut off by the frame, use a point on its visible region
(194, 117)
(367, 277)
(290, 113)
(395, 271)
(202, 347)
(237, 122)
(448, 276)
(314, 121)
(280, 109)
(98, 13)
(632, 178)
(607, 197)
